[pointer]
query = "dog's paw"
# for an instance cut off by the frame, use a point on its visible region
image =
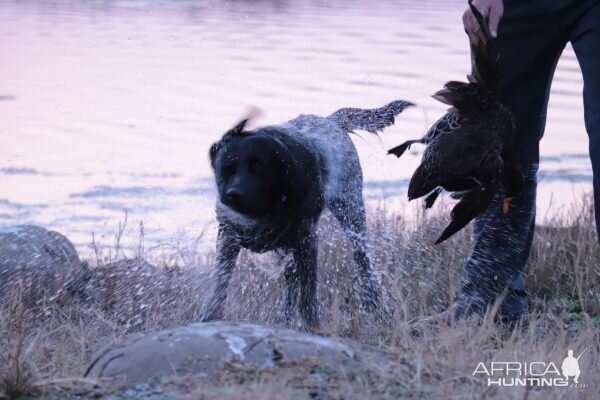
(311, 324)
(310, 318)
(210, 318)
(212, 314)
(284, 316)
(371, 293)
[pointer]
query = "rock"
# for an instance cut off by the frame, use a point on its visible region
(36, 261)
(203, 348)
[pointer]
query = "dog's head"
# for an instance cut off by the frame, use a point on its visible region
(250, 171)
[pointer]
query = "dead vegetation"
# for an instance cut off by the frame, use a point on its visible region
(45, 349)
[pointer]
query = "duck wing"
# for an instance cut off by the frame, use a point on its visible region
(450, 157)
(448, 123)
(471, 204)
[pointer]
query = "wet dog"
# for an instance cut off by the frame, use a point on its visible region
(273, 184)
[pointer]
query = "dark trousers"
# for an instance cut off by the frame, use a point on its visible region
(531, 38)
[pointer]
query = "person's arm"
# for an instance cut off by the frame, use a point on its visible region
(492, 11)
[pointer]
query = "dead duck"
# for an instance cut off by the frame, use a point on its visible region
(469, 150)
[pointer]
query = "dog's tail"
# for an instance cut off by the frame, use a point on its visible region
(374, 120)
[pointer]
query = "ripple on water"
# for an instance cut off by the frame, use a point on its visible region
(143, 88)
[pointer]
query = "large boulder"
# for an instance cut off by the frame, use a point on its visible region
(204, 348)
(36, 262)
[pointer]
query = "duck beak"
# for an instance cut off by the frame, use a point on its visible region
(506, 204)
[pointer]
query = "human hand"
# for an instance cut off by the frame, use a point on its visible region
(492, 11)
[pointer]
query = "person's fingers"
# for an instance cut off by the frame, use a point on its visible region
(470, 22)
(494, 20)
(472, 27)
(465, 17)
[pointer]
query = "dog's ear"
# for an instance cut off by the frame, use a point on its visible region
(238, 129)
(233, 132)
(213, 153)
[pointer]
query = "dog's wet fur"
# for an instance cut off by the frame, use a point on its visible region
(274, 183)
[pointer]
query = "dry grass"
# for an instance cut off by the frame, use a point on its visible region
(45, 349)
(16, 376)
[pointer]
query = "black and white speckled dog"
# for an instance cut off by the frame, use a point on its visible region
(273, 184)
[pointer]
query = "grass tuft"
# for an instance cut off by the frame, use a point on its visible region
(45, 349)
(17, 379)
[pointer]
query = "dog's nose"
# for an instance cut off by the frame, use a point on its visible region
(234, 195)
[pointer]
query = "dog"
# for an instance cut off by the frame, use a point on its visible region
(273, 184)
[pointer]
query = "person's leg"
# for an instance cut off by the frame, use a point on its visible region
(529, 43)
(585, 38)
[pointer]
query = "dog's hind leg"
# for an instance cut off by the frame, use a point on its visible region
(305, 260)
(350, 212)
(228, 249)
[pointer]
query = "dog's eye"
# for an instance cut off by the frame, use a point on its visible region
(255, 166)
(229, 169)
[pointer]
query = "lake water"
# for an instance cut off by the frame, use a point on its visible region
(108, 108)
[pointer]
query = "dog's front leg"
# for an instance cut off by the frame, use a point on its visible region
(228, 249)
(290, 295)
(305, 260)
